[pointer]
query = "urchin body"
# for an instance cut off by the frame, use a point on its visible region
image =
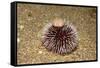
(60, 40)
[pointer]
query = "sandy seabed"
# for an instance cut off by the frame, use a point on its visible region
(31, 19)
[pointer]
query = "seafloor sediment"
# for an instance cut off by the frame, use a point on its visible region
(32, 18)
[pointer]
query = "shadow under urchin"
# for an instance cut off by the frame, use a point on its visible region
(60, 40)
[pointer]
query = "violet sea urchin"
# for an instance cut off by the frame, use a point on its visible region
(61, 40)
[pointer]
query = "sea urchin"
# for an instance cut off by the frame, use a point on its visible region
(60, 38)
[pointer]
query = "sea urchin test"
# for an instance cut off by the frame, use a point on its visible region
(60, 38)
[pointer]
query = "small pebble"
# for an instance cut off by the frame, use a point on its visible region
(40, 52)
(18, 40)
(21, 27)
